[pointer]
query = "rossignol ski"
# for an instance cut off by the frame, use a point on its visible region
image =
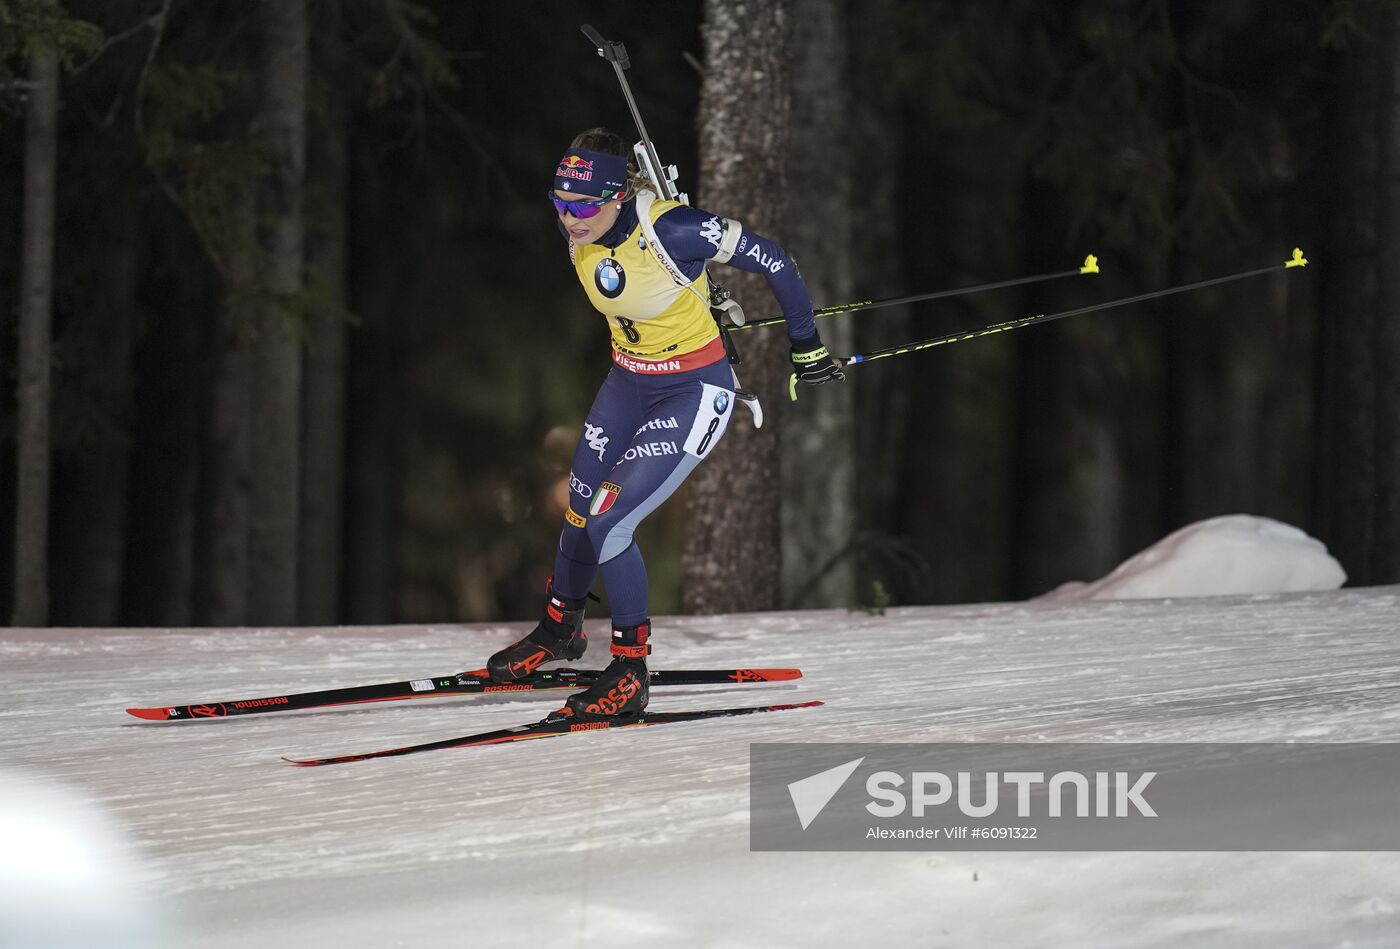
(463, 683)
(552, 726)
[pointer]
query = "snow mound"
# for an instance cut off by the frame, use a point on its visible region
(1237, 553)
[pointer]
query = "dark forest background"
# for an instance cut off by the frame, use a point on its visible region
(317, 354)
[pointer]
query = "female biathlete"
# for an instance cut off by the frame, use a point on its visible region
(661, 410)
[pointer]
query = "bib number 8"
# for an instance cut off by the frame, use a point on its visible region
(629, 329)
(709, 434)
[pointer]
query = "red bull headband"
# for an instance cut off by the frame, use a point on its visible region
(591, 173)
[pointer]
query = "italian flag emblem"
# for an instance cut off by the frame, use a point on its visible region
(605, 498)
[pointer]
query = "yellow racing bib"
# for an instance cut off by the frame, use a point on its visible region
(648, 313)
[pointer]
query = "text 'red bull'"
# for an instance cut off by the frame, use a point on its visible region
(575, 167)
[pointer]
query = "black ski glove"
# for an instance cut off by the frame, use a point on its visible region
(812, 362)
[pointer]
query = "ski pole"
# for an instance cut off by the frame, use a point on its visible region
(1298, 260)
(1091, 266)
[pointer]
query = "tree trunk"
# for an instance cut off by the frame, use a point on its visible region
(819, 518)
(1041, 537)
(166, 579)
(1358, 465)
(275, 458)
(885, 138)
(229, 475)
(1038, 472)
(31, 606)
(733, 551)
(323, 482)
(93, 511)
(376, 398)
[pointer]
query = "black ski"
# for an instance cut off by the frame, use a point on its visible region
(552, 726)
(463, 683)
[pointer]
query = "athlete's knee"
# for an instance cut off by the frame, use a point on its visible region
(609, 533)
(614, 543)
(575, 541)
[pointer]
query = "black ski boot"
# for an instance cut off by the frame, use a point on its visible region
(622, 688)
(559, 635)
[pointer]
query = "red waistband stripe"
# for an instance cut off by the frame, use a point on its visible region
(711, 352)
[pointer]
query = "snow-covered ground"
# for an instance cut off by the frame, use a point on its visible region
(641, 837)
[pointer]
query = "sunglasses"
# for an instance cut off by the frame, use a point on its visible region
(579, 209)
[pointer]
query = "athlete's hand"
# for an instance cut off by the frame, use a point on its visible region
(813, 363)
